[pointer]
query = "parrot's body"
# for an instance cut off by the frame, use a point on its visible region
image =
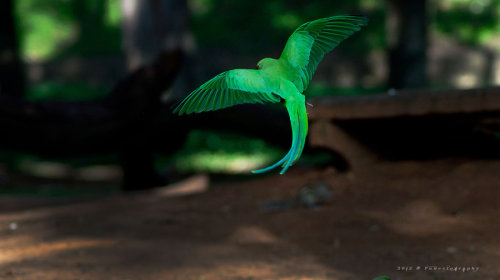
(285, 79)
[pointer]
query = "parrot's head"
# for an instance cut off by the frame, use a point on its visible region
(265, 62)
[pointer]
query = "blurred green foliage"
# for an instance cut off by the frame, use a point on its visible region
(263, 26)
(65, 91)
(44, 26)
(473, 22)
(212, 151)
(52, 28)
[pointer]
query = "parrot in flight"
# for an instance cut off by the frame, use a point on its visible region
(276, 80)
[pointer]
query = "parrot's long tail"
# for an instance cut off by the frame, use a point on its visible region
(298, 119)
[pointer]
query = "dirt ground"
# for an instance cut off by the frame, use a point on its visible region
(409, 220)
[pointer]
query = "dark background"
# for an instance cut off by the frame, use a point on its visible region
(57, 53)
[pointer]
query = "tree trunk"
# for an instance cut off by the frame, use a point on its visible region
(407, 31)
(11, 69)
(150, 26)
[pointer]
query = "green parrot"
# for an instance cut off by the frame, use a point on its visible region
(276, 80)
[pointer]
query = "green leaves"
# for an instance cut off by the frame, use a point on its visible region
(53, 28)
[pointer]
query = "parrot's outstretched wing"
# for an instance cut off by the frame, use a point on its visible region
(311, 41)
(227, 89)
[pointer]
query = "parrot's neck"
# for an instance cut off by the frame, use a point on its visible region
(266, 63)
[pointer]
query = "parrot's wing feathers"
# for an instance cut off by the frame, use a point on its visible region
(311, 41)
(227, 89)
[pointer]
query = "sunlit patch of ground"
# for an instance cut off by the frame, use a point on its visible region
(37, 249)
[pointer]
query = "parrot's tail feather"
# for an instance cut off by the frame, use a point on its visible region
(296, 130)
(298, 120)
(296, 107)
(283, 160)
(304, 127)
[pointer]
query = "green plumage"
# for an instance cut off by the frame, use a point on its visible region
(317, 38)
(284, 78)
(227, 89)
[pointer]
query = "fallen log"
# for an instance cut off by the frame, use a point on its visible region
(410, 124)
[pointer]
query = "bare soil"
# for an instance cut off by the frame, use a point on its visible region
(408, 220)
